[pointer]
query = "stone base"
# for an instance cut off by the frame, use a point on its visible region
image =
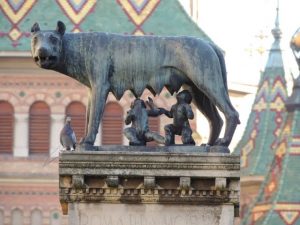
(130, 185)
(171, 149)
(149, 214)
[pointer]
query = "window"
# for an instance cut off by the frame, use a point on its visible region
(112, 124)
(39, 128)
(1, 217)
(16, 217)
(7, 127)
(76, 111)
(36, 217)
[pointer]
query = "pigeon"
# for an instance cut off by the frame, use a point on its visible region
(67, 136)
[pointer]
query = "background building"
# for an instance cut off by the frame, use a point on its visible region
(264, 124)
(269, 148)
(278, 200)
(34, 102)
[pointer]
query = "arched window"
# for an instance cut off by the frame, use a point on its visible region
(55, 218)
(7, 127)
(36, 217)
(154, 125)
(17, 217)
(112, 124)
(39, 128)
(1, 217)
(76, 110)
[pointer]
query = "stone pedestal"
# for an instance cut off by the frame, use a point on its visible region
(144, 186)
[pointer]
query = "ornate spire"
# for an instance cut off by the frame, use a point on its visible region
(275, 57)
(265, 121)
(267, 114)
(278, 201)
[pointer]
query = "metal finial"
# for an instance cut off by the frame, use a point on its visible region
(277, 15)
(276, 31)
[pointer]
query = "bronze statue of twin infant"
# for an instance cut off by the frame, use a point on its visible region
(115, 63)
(139, 132)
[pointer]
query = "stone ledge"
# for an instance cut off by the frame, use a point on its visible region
(167, 149)
(162, 175)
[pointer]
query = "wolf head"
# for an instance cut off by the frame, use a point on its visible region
(46, 46)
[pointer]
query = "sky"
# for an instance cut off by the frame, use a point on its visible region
(235, 24)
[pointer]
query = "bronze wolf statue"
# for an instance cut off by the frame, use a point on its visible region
(115, 63)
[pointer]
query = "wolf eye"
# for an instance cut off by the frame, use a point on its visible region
(53, 39)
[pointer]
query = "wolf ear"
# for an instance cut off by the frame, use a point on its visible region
(61, 27)
(35, 28)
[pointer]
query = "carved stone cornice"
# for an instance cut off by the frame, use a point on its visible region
(149, 175)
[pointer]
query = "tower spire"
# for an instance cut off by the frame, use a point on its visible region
(278, 201)
(264, 124)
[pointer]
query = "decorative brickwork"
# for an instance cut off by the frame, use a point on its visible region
(116, 16)
(76, 11)
(138, 12)
(15, 12)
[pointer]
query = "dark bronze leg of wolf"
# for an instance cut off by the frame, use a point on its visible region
(210, 111)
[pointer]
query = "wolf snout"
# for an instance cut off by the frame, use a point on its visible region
(43, 55)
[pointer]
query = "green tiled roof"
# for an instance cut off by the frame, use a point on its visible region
(278, 201)
(157, 17)
(267, 115)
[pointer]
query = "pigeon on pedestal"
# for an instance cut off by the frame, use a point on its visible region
(67, 136)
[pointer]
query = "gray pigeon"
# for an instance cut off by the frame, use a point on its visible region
(67, 136)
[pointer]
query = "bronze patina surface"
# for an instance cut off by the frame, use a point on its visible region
(115, 63)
